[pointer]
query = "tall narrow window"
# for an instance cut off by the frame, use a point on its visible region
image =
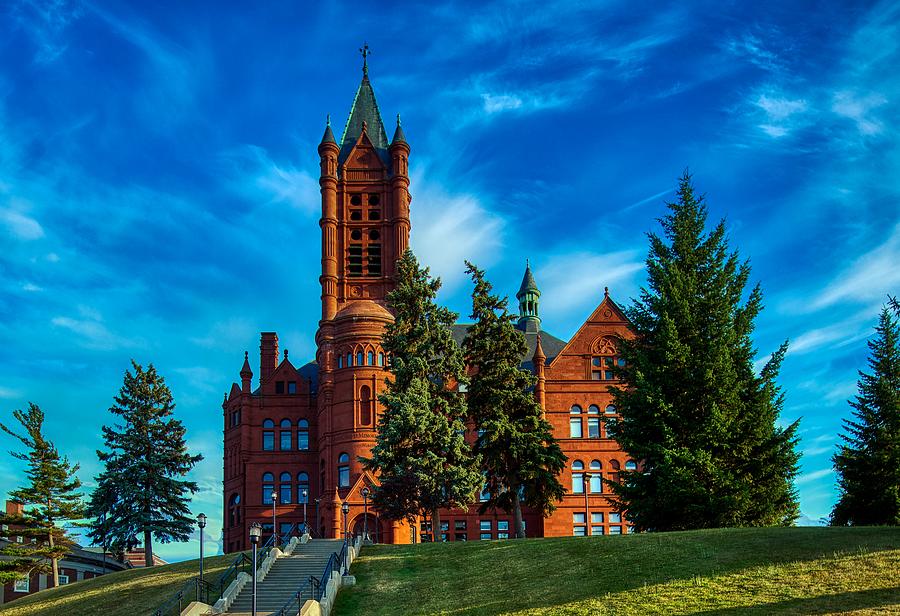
(268, 486)
(365, 406)
(284, 437)
(303, 435)
(577, 477)
(575, 422)
(381, 359)
(593, 427)
(370, 358)
(355, 253)
(373, 253)
(349, 359)
(344, 471)
(284, 490)
(268, 435)
(302, 485)
(359, 359)
(234, 510)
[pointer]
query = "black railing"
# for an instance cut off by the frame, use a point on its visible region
(306, 591)
(194, 589)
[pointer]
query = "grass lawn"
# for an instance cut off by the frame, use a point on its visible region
(126, 593)
(727, 572)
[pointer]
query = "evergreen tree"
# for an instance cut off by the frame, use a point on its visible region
(868, 462)
(51, 497)
(693, 410)
(420, 453)
(521, 458)
(140, 491)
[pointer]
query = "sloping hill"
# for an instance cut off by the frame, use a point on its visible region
(728, 572)
(126, 593)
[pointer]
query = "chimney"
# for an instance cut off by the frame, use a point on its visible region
(268, 355)
(14, 508)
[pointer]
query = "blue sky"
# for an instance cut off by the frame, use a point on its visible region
(159, 196)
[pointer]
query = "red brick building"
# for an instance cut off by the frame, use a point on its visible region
(300, 432)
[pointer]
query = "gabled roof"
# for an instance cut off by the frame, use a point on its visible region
(364, 109)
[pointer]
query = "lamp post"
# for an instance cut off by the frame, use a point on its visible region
(255, 532)
(587, 513)
(365, 495)
(201, 522)
(274, 527)
(305, 495)
(317, 516)
(345, 508)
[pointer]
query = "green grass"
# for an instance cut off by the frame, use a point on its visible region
(728, 572)
(126, 593)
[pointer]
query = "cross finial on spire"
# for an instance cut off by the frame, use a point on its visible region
(398, 119)
(328, 120)
(364, 50)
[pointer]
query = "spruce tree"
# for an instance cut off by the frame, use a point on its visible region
(868, 462)
(520, 457)
(140, 491)
(50, 498)
(693, 410)
(420, 454)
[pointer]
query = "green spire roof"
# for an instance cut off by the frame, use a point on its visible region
(528, 283)
(364, 110)
(399, 137)
(328, 137)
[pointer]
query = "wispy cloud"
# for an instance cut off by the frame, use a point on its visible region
(253, 175)
(20, 225)
(813, 476)
(860, 109)
(451, 227)
(576, 280)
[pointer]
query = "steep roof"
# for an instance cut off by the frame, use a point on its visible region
(549, 343)
(528, 283)
(364, 109)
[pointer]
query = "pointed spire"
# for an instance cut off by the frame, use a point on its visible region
(328, 137)
(528, 283)
(538, 357)
(399, 137)
(245, 369)
(364, 110)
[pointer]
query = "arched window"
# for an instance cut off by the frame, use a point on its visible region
(302, 435)
(577, 477)
(610, 410)
(614, 465)
(268, 486)
(593, 410)
(630, 465)
(302, 486)
(234, 510)
(359, 358)
(340, 360)
(284, 437)
(596, 465)
(268, 435)
(365, 406)
(370, 358)
(349, 359)
(284, 490)
(381, 359)
(575, 429)
(344, 471)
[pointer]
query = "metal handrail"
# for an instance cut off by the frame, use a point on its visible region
(296, 601)
(195, 588)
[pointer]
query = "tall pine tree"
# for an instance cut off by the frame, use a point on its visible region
(521, 458)
(868, 462)
(692, 408)
(420, 453)
(50, 498)
(140, 491)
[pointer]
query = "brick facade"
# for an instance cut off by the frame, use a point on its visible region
(305, 427)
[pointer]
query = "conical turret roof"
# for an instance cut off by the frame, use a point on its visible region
(364, 111)
(528, 283)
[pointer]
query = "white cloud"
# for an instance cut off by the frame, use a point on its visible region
(781, 114)
(813, 476)
(780, 108)
(859, 109)
(450, 228)
(92, 332)
(21, 226)
(7, 393)
(869, 278)
(773, 131)
(31, 287)
(500, 102)
(576, 280)
(260, 179)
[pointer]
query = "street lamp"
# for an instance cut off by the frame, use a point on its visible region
(274, 528)
(318, 524)
(255, 532)
(201, 522)
(305, 494)
(346, 509)
(365, 495)
(587, 514)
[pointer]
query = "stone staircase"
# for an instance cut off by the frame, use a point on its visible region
(286, 576)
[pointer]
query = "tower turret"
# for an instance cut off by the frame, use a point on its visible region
(246, 374)
(529, 297)
(539, 360)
